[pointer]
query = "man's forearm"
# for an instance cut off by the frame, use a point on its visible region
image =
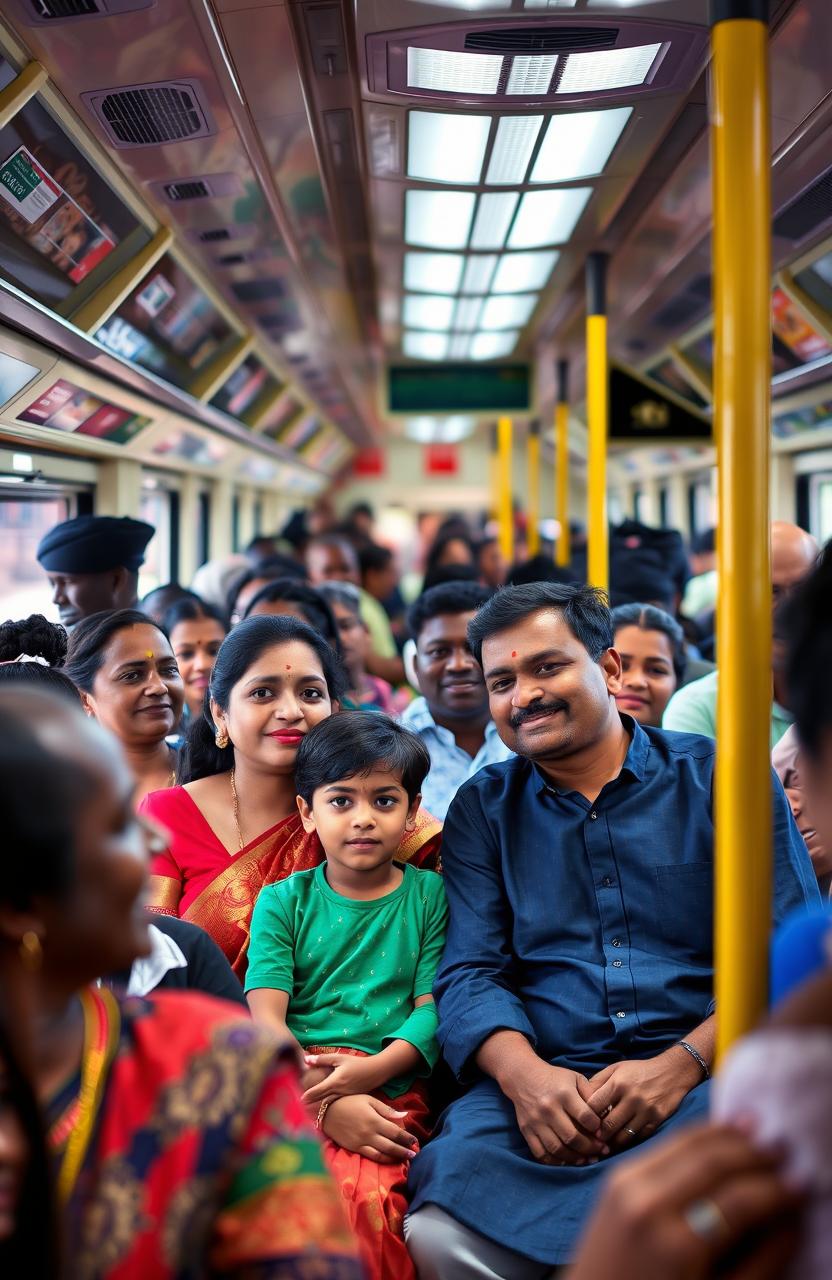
(703, 1040)
(504, 1056)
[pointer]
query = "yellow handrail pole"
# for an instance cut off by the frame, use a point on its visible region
(533, 481)
(742, 274)
(98, 308)
(24, 86)
(505, 510)
(563, 549)
(597, 406)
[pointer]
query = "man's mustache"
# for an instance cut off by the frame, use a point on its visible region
(534, 710)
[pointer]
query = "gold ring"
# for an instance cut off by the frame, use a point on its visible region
(706, 1220)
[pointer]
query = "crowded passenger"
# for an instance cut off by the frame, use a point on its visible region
(129, 681)
(286, 597)
(647, 564)
(580, 1018)
(174, 1126)
(196, 631)
(33, 651)
(233, 820)
(452, 716)
(701, 589)
(92, 563)
(651, 646)
(333, 558)
(365, 692)
(361, 1009)
(693, 708)
(452, 548)
(213, 581)
(158, 601)
(491, 563)
(247, 583)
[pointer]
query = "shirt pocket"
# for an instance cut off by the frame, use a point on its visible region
(685, 908)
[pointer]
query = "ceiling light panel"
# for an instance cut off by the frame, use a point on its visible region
(548, 217)
(438, 219)
(508, 312)
(426, 311)
(494, 214)
(459, 346)
(467, 314)
(517, 272)
(578, 145)
(512, 150)
(478, 273)
(433, 272)
(446, 148)
(607, 69)
(531, 75)
(425, 346)
(453, 72)
(488, 346)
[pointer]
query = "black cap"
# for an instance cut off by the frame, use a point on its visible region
(94, 544)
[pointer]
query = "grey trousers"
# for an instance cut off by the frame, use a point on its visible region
(443, 1249)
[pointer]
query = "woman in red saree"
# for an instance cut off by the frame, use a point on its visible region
(234, 825)
(178, 1139)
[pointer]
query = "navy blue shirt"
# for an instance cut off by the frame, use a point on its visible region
(588, 927)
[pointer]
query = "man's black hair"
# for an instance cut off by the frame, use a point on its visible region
(584, 610)
(373, 557)
(806, 619)
(449, 597)
(353, 744)
(704, 542)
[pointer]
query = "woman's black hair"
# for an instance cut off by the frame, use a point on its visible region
(648, 617)
(271, 567)
(343, 593)
(353, 744)
(89, 640)
(441, 574)
(38, 638)
(451, 532)
(241, 648)
(315, 609)
(584, 610)
(191, 611)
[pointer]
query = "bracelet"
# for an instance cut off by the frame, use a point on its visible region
(694, 1053)
(319, 1119)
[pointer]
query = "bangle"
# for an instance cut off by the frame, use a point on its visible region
(697, 1056)
(319, 1119)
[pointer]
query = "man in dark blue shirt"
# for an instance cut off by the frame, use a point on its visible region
(576, 990)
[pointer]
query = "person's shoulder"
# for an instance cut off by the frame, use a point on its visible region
(293, 887)
(672, 743)
(187, 936)
(415, 715)
(428, 883)
(492, 783)
(701, 690)
(167, 804)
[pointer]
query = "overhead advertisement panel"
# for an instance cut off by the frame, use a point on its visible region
(67, 407)
(642, 410)
(459, 388)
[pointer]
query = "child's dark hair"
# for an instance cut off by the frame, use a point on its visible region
(354, 743)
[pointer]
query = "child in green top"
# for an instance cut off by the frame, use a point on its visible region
(344, 956)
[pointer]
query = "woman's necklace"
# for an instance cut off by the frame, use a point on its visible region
(236, 810)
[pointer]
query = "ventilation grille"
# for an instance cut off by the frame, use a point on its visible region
(63, 8)
(213, 237)
(197, 190)
(258, 290)
(805, 214)
(52, 11)
(542, 39)
(150, 115)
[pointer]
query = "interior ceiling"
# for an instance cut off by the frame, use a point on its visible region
(306, 166)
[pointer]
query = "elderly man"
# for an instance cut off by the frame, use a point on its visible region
(693, 708)
(92, 563)
(575, 995)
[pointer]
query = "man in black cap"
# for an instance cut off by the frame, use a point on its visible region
(92, 563)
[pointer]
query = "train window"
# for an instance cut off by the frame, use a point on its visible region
(702, 504)
(249, 380)
(23, 585)
(167, 325)
(816, 281)
(258, 516)
(204, 530)
(58, 217)
(664, 521)
(820, 506)
(155, 509)
(667, 375)
(235, 522)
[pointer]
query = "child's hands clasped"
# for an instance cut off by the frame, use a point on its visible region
(345, 1075)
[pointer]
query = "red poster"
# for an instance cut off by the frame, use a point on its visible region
(369, 462)
(441, 460)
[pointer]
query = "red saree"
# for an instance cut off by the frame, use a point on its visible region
(202, 1161)
(197, 879)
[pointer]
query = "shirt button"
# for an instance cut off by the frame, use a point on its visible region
(621, 1014)
(616, 964)
(616, 942)
(606, 882)
(593, 815)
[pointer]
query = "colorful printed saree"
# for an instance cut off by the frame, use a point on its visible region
(201, 1160)
(197, 879)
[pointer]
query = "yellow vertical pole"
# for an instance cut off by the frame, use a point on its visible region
(505, 512)
(563, 549)
(742, 273)
(533, 481)
(597, 404)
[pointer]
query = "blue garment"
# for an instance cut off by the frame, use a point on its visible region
(587, 928)
(450, 765)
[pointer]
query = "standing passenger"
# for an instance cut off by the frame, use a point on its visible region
(576, 989)
(452, 717)
(92, 563)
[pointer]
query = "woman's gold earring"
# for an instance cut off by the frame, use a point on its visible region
(221, 739)
(31, 951)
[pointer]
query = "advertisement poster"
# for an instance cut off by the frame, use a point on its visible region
(66, 407)
(794, 330)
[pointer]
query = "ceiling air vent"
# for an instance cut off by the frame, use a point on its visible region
(542, 39)
(808, 212)
(52, 11)
(218, 235)
(196, 190)
(258, 290)
(212, 237)
(215, 185)
(150, 115)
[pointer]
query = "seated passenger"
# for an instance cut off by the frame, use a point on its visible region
(693, 708)
(366, 692)
(651, 646)
(575, 994)
(92, 563)
(196, 632)
(452, 716)
(786, 759)
(129, 681)
(182, 958)
(361, 1005)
